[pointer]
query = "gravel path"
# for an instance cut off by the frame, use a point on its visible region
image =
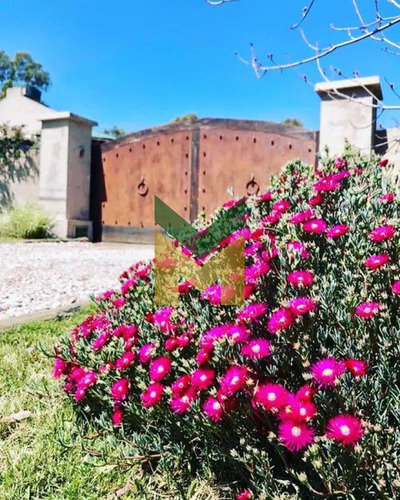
(45, 275)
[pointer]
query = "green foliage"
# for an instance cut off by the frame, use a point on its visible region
(115, 132)
(21, 69)
(245, 447)
(191, 117)
(26, 222)
(293, 122)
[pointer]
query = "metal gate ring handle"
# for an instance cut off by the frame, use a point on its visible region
(143, 188)
(252, 186)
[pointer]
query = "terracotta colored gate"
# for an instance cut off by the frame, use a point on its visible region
(191, 167)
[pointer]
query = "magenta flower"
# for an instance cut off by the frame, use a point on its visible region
(182, 403)
(296, 247)
(117, 416)
(327, 183)
(270, 396)
(251, 312)
(297, 410)
(302, 305)
(338, 230)
(345, 428)
(326, 371)
(396, 287)
(377, 260)
(315, 226)
(258, 269)
(382, 233)
(387, 198)
(152, 394)
(281, 206)
(146, 352)
(340, 163)
(125, 360)
(300, 217)
(300, 278)
(159, 368)
(357, 367)
(87, 380)
(59, 368)
(234, 379)
(202, 378)
(100, 341)
(295, 435)
(316, 200)
(162, 318)
(120, 389)
(367, 310)
(280, 320)
(256, 349)
(181, 384)
(244, 495)
(239, 333)
(213, 409)
(305, 393)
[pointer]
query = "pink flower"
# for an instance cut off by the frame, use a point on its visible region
(377, 260)
(316, 200)
(256, 349)
(327, 183)
(59, 368)
(345, 428)
(182, 403)
(301, 217)
(396, 287)
(302, 305)
(159, 368)
(296, 247)
(387, 198)
(203, 356)
(234, 379)
(340, 163)
(338, 230)
(383, 162)
(300, 278)
(146, 352)
(281, 206)
(100, 341)
(120, 389)
(202, 378)
(89, 379)
(272, 218)
(295, 435)
(162, 318)
(251, 312)
(239, 333)
(244, 495)
(181, 384)
(315, 226)
(119, 303)
(305, 393)
(80, 393)
(267, 196)
(280, 320)
(213, 409)
(152, 394)
(297, 410)
(382, 233)
(367, 310)
(357, 367)
(270, 396)
(326, 371)
(117, 416)
(258, 269)
(125, 360)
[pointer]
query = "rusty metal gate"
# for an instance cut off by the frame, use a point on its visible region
(192, 167)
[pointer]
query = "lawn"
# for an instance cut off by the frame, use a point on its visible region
(44, 456)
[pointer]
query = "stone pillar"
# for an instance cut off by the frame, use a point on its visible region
(64, 184)
(350, 116)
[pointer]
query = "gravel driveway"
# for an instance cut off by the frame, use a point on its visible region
(45, 275)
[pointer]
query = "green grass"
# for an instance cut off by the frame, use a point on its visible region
(44, 456)
(24, 222)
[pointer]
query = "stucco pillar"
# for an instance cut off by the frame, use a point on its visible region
(348, 113)
(64, 184)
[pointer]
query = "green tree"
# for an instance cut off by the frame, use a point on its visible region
(116, 132)
(191, 117)
(293, 122)
(21, 69)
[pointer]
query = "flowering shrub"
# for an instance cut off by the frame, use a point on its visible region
(293, 395)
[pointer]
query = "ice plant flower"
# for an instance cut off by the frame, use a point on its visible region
(251, 312)
(382, 233)
(357, 367)
(345, 428)
(152, 394)
(326, 371)
(270, 396)
(338, 230)
(60, 368)
(315, 226)
(300, 278)
(120, 389)
(146, 352)
(202, 378)
(297, 247)
(387, 198)
(182, 403)
(302, 305)
(281, 206)
(316, 200)
(239, 333)
(159, 368)
(244, 495)
(125, 360)
(213, 409)
(305, 393)
(256, 349)
(162, 318)
(181, 384)
(377, 260)
(396, 287)
(297, 410)
(117, 416)
(367, 310)
(280, 320)
(234, 379)
(295, 435)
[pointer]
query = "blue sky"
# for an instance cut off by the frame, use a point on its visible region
(137, 64)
